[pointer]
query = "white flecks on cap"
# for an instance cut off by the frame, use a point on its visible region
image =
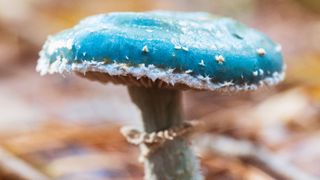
(261, 52)
(185, 48)
(228, 83)
(201, 77)
(219, 34)
(54, 45)
(177, 47)
(201, 63)
(261, 72)
(255, 73)
(219, 59)
(124, 66)
(170, 70)
(69, 43)
(149, 30)
(145, 49)
(153, 72)
(213, 46)
(207, 78)
(142, 65)
(188, 71)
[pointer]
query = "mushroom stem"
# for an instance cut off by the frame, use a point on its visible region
(161, 109)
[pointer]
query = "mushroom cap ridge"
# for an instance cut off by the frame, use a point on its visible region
(198, 50)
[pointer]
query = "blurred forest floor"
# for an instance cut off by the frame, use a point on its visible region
(68, 128)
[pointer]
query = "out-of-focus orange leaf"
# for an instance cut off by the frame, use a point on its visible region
(305, 70)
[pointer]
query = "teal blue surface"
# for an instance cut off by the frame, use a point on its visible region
(173, 40)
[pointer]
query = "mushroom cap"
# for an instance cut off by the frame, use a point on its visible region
(189, 50)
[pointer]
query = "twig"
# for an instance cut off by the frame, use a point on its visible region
(274, 165)
(150, 142)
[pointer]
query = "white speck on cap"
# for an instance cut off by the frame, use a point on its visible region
(201, 63)
(200, 77)
(149, 30)
(188, 71)
(219, 59)
(261, 72)
(213, 46)
(261, 52)
(54, 45)
(185, 48)
(145, 49)
(170, 70)
(207, 78)
(228, 83)
(177, 47)
(142, 65)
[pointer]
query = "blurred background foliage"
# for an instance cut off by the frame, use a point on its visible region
(56, 125)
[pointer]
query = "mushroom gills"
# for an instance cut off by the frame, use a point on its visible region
(130, 80)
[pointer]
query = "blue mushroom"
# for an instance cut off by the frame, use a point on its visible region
(157, 54)
(196, 50)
